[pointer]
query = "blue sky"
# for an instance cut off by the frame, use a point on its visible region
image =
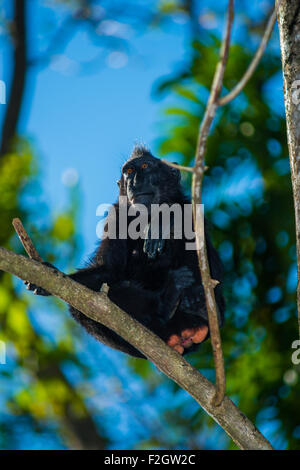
(90, 121)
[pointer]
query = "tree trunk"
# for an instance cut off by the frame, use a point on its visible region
(289, 30)
(19, 38)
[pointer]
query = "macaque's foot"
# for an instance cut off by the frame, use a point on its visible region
(35, 289)
(187, 338)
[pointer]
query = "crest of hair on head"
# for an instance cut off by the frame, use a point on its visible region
(140, 151)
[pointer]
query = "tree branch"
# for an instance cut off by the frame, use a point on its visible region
(26, 240)
(254, 63)
(208, 283)
(189, 169)
(98, 307)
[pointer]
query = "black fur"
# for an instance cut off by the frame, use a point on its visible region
(156, 281)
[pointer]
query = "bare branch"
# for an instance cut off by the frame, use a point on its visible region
(254, 63)
(190, 169)
(26, 240)
(196, 193)
(99, 308)
(178, 167)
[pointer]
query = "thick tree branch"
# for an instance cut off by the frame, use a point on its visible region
(289, 31)
(98, 307)
(197, 178)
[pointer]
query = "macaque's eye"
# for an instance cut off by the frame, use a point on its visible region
(144, 165)
(130, 170)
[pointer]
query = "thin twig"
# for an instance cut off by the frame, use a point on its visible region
(208, 283)
(26, 240)
(254, 63)
(190, 169)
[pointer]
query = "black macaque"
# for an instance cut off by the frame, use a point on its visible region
(156, 281)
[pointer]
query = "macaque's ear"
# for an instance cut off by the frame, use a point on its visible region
(119, 183)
